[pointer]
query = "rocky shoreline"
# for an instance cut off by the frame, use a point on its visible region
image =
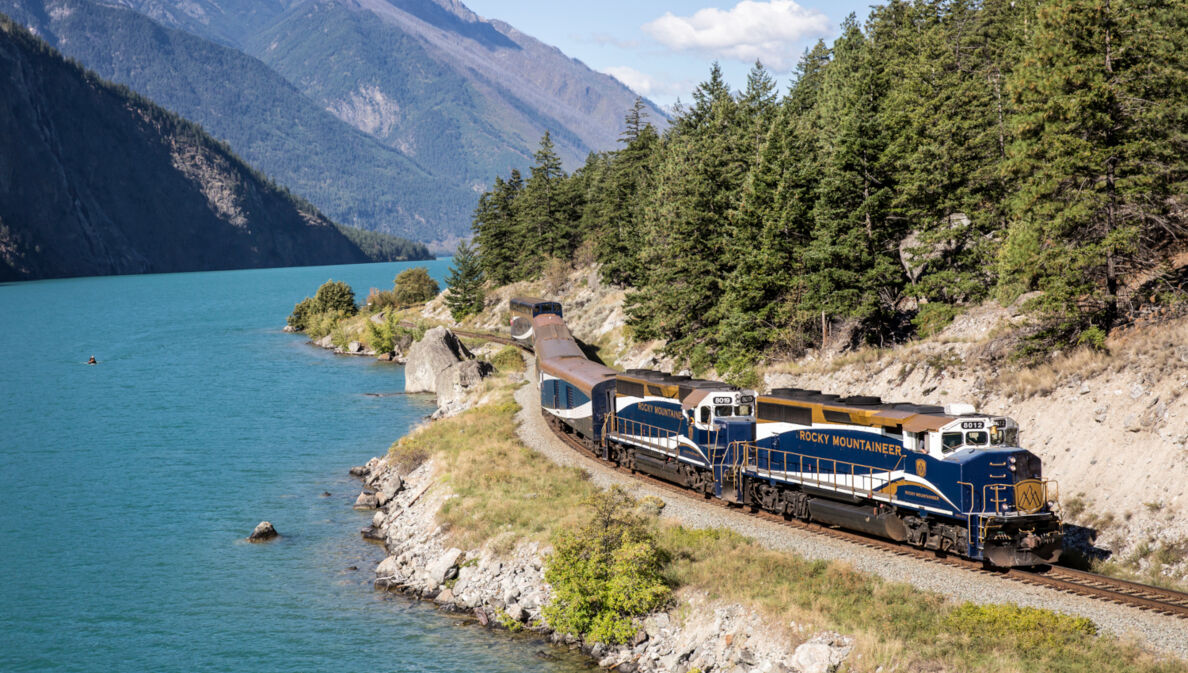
(505, 588)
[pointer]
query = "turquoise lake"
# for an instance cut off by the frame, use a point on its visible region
(126, 488)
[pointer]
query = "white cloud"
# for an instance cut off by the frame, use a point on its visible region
(641, 83)
(769, 31)
(647, 85)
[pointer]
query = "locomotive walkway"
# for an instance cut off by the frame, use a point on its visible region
(1160, 632)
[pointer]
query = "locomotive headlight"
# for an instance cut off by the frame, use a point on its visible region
(1011, 467)
(1012, 460)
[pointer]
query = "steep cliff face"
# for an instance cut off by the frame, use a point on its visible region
(96, 180)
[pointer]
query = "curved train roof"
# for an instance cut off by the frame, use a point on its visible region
(858, 409)
(558, 354)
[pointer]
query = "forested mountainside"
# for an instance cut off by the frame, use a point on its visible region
(387, 114)
(350, 175)
(940, 155)
(95, 180)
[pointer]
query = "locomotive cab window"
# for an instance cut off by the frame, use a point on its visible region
(977, 438)
(950, 441)
(744, 410)
(705, 414)
(723, 411)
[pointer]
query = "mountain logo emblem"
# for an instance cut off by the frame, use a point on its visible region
(921, 467)
(1029, 496)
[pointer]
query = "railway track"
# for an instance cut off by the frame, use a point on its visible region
(1068, 580)
(1078, 582)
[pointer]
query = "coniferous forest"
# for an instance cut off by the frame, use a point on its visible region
(942, 154)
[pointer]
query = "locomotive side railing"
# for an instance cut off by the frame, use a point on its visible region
(810, 470)
(654, 437)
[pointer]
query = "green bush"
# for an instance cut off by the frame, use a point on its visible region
(302, 312)
(379, 337)
(606, 572)
(934, 317)
(1024, 628)
(336, 296)
(333, 298)
(508, 359)
(414, 286)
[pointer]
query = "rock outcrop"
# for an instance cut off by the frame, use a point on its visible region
(433, 354)
(508, 588)
(456, 383)
(263, 532)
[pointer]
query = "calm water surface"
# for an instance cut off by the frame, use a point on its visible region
(126, 488)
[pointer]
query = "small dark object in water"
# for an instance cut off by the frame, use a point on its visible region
(92, 361)
(352, 567)
(325, 494)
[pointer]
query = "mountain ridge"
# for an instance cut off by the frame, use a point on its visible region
(97, 180)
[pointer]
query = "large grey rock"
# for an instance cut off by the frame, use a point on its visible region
(455, 381)
(821, 654)
(439, 570)
(325, 342)
(389, 567)
(366, 501)
(433, 354)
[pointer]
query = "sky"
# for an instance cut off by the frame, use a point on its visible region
(662, 50)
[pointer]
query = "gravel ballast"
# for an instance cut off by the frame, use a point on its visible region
(1158, 632)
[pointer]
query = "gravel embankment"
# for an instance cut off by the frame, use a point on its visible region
(1160, 633)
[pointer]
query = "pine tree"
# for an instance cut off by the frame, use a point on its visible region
(497, 233)
(546, 215)
(617, 208)
(465, 283)
(852, 259)
(1100, 154)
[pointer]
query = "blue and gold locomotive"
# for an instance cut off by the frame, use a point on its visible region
(941, 478)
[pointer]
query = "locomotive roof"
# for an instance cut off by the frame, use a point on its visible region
(860, 409)
(669, 385)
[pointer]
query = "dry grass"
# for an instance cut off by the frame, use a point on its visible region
(895, 625)
(500, 487)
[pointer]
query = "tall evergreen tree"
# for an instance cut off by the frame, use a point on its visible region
(618, 215)
(1100, 153)
(465, 283)
(544, 216)
(498, 234)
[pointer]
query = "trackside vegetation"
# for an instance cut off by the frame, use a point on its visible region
(936, 156)
(614, 558)
(382, 321)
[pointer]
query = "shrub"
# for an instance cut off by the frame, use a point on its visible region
(1025, 628)
(336, 296)
(934, 317)
(379, 337)
(302, 312)
(508, 359)
(605, 572)
(414, 286)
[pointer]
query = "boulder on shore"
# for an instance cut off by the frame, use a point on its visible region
(455, 381)
(264, 531)
(434, 353)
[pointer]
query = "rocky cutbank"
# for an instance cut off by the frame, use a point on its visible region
(507, 588)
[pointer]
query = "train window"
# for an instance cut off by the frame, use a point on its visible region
(744, 410)
(977, 438)
(705, 414)
(950, 441)
(723, 411)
